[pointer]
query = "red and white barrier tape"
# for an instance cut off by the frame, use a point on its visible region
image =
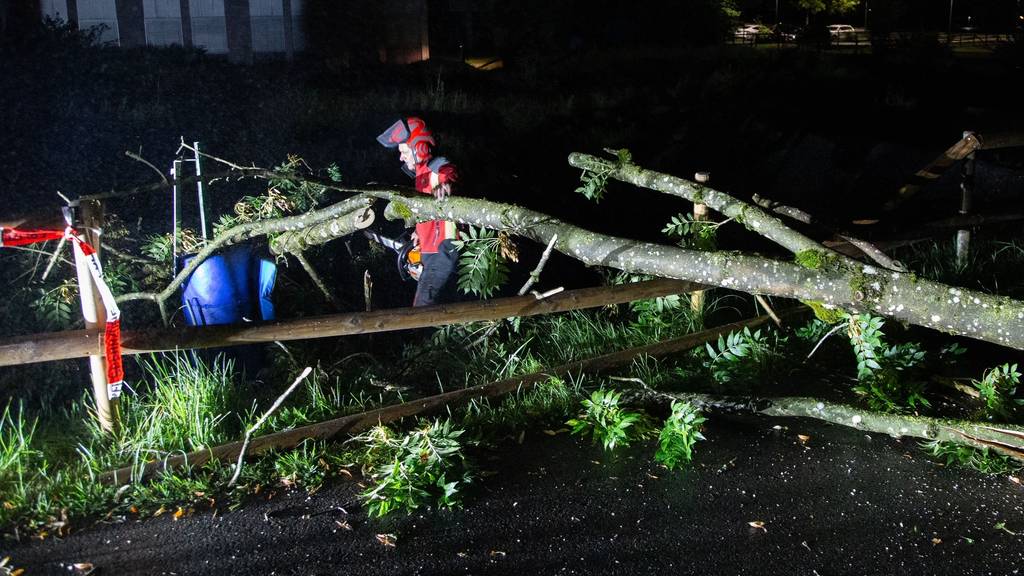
(112, 331)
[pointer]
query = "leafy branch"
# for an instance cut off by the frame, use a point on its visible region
(605, 420)
(482, 255)
(594, 181)
(679, 434)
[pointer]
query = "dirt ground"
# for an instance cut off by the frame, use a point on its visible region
(840, 502)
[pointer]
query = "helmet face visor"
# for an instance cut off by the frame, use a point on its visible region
(411, 131)
(396, 134)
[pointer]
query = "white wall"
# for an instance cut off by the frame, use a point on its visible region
(163, 22)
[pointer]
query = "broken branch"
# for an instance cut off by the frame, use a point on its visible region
(1008, 440)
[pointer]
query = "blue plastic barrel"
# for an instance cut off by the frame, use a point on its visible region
(228, 288)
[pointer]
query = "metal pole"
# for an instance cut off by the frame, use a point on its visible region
(176, 177)
(949, 29)
(199, 184)
(963, 237)
(700, 212)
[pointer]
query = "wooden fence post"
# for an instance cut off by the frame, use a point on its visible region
(94, 313)
(963, 237)
(700, 213)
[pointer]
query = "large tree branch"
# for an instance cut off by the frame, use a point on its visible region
(860, 287)
(341, 215)
(751, 216)
(836, 281)
(867, 248)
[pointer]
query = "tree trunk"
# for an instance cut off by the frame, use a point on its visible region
(859, 288)
(825, 276)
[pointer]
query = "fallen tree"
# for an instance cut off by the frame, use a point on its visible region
(818, 273)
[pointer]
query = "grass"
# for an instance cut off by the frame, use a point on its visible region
(546, 402)
(992, 265)
(185, 403)
(19, 461)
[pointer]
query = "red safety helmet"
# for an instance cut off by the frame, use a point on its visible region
(411, 131)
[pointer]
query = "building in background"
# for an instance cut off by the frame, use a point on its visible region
(244, 30)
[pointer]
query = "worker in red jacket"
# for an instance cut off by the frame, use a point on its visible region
(431, 176)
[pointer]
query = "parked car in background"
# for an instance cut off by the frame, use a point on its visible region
(787, 32)
(753, 32)
(841, 31)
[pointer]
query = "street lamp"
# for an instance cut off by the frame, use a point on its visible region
(866, 10)
(949, 30)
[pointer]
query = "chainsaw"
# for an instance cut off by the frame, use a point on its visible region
(409, 261)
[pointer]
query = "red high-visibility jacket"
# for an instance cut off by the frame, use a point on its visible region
(428, 176)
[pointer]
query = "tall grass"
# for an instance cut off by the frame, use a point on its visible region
(185, 404)
(991, 265)
(20, 463)
(551, 399)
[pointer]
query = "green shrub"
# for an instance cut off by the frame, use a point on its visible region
(741, 355)
(605, 421)
(679, 435)
(422, 467)
(885, 373)
(997, 387)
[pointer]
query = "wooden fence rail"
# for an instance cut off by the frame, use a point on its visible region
(80, 343)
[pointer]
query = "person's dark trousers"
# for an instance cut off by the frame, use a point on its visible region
(437, 282)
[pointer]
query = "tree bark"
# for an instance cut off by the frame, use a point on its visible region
(837, 281)
(858, 288)
(341, 216)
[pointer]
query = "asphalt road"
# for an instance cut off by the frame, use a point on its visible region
(840, 502)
